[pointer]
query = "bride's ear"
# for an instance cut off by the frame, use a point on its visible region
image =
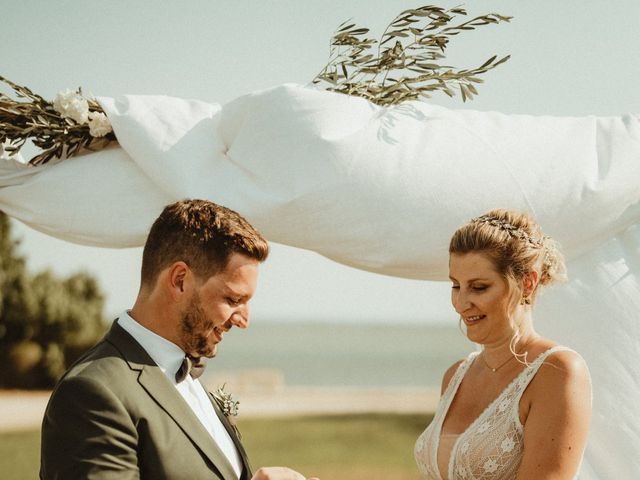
(529, 283)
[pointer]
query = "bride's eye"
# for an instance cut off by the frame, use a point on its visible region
(455, 287)
(479, 288)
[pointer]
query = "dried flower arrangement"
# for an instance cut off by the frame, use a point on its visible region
(62, 128)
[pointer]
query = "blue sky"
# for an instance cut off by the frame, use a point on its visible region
(568, 58)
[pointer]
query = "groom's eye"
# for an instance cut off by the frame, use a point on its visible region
(233, 301)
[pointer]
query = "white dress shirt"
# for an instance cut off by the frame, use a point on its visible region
(168, 356)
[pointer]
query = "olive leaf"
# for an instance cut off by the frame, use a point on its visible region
(404, 64)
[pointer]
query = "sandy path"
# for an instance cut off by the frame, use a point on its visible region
(20, 410)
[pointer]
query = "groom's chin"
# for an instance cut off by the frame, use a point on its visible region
(206, 350)
(212, 351)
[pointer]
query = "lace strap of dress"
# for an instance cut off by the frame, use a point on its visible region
(457, 377)
(528, 373)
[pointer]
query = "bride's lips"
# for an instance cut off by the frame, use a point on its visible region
(472, 320)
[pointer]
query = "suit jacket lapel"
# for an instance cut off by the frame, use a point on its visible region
(234, 436)
(158, 386)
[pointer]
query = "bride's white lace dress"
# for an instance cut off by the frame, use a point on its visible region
(491, 447)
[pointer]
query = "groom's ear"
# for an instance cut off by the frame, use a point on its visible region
(178, 280)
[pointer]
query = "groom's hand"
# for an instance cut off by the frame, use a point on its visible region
(279, 473)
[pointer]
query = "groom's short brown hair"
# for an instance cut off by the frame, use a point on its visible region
(203, 235)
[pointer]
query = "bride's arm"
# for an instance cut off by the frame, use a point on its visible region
(557, 423)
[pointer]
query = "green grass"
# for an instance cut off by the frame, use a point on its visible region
(20, 455)
(344, 447)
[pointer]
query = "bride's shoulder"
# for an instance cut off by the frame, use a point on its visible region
(562, 367)
(559, 357)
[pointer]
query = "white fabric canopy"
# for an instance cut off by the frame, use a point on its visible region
(382, 189)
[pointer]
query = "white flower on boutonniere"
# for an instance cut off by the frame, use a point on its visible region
(228, 405)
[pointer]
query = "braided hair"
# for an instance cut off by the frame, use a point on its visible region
(515, 243)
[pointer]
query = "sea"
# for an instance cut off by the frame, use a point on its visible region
(335, 354)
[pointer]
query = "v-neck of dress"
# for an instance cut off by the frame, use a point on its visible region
(459, 376)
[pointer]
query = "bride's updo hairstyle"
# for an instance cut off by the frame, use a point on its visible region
(516, 245)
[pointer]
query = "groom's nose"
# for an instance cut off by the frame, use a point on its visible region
(240, 318)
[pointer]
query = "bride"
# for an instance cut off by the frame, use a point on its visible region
(521, 407)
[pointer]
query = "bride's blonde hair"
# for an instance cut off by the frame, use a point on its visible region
(515, 243)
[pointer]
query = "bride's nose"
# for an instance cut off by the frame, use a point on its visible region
(460, 301)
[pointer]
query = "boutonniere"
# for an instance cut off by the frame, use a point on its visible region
(228, 405)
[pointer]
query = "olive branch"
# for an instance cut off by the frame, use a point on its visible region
(31, 117)
(402, 66)
(399, 67)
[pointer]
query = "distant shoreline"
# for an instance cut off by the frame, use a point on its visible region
(24, 409)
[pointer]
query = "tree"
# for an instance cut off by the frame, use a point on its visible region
(45, 322)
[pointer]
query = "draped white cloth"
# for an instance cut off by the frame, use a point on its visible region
(382, 189)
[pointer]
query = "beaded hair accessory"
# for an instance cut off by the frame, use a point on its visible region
(511, 229)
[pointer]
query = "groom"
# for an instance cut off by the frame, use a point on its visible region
(131, 407)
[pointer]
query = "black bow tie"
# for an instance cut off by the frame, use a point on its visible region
(193, 366)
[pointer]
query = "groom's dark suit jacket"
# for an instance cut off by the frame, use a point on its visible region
(115, 415)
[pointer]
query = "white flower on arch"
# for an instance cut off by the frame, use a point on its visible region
(99, 124)
(70, 104)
